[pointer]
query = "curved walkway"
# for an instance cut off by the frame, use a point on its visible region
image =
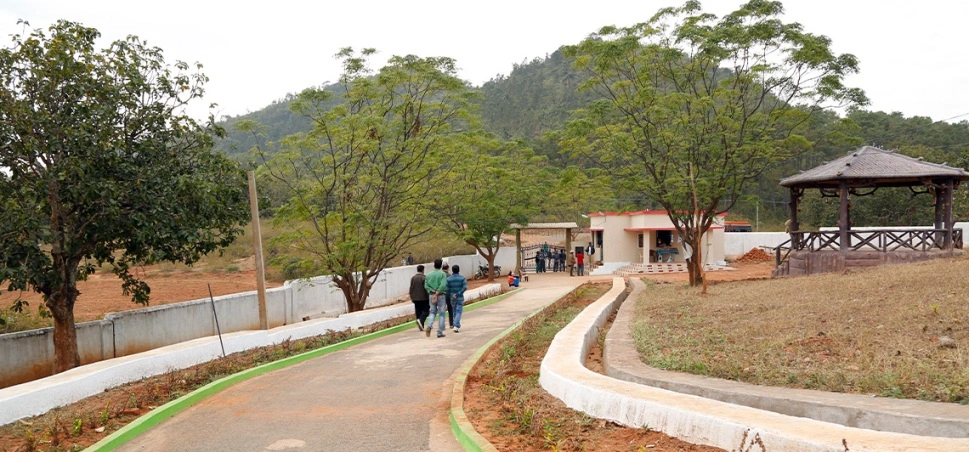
(621, 360)
(392, 393)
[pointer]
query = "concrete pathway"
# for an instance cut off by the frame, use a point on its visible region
(392, 393)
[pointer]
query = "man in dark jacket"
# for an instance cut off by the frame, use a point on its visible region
(418, 294)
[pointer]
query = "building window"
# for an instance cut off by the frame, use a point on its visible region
(640, 240)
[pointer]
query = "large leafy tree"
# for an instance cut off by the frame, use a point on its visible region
(98, 164)
(493, 187)
(696, 107)
(360, 183)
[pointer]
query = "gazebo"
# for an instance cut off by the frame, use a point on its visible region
(861, 173)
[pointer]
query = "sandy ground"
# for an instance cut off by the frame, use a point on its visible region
(741, 271)
(101, 293)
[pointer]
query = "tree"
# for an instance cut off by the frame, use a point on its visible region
(100, 165)
(725, 96)
(488, 192)
(360, 182)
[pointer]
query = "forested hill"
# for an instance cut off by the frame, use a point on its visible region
(534, 98)
(278, 119)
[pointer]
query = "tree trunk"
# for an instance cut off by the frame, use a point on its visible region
(489, 254)
(355, 293)
(695, 264)
(61, 305)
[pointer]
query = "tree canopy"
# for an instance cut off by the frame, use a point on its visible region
(360, 183)
(492, 187)
(694, 107)
(100, 165)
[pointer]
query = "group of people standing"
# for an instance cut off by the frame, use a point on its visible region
(436, 293)
(547, 257)
(560, 262)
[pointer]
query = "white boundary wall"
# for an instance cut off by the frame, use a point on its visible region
(29, 355)
(39, 396)
(736, 244)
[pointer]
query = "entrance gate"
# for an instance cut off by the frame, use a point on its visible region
(526, 256)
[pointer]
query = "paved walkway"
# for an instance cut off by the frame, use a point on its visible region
(392, 393)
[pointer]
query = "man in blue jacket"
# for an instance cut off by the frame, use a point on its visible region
(456, 286)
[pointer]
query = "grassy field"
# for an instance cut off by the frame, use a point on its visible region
(895, 331)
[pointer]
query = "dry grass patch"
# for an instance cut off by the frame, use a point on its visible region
(884, 331)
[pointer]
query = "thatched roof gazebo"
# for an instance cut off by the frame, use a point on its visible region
(861, 173)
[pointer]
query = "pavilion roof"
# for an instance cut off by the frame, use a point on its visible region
(878, 167)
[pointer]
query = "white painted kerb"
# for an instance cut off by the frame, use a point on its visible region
(695, 419)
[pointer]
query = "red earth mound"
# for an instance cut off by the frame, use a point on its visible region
(755, 255)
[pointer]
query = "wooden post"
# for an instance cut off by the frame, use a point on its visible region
(948, 214)
(568, 241)
(843, 218)
(518, 249)
(257, 244)
(795, 226)
(939, 213)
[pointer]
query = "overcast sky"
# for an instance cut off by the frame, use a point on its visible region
(913, 54)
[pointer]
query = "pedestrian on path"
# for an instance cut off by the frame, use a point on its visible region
(580, 263)
(436, 285)
(456, 286)
(418, 295)
(450, 310)
(570, 262)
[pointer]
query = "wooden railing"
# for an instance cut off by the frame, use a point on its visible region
(883, 240)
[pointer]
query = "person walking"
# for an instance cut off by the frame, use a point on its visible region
(580, 263)
(456, 286)
(450, 310)
(418, 295)
(591, 251)
(436, 285)
(570, 262)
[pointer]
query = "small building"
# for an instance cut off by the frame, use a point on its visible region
(648, 236)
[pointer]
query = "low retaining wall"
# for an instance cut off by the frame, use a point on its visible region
(39, 396)
(29, 355)
(691, 418)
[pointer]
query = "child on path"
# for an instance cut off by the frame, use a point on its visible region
(456, 286)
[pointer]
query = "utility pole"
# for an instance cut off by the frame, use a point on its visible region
(257, 244)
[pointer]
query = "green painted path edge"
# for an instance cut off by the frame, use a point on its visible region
(160, 414)
(461, 427)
